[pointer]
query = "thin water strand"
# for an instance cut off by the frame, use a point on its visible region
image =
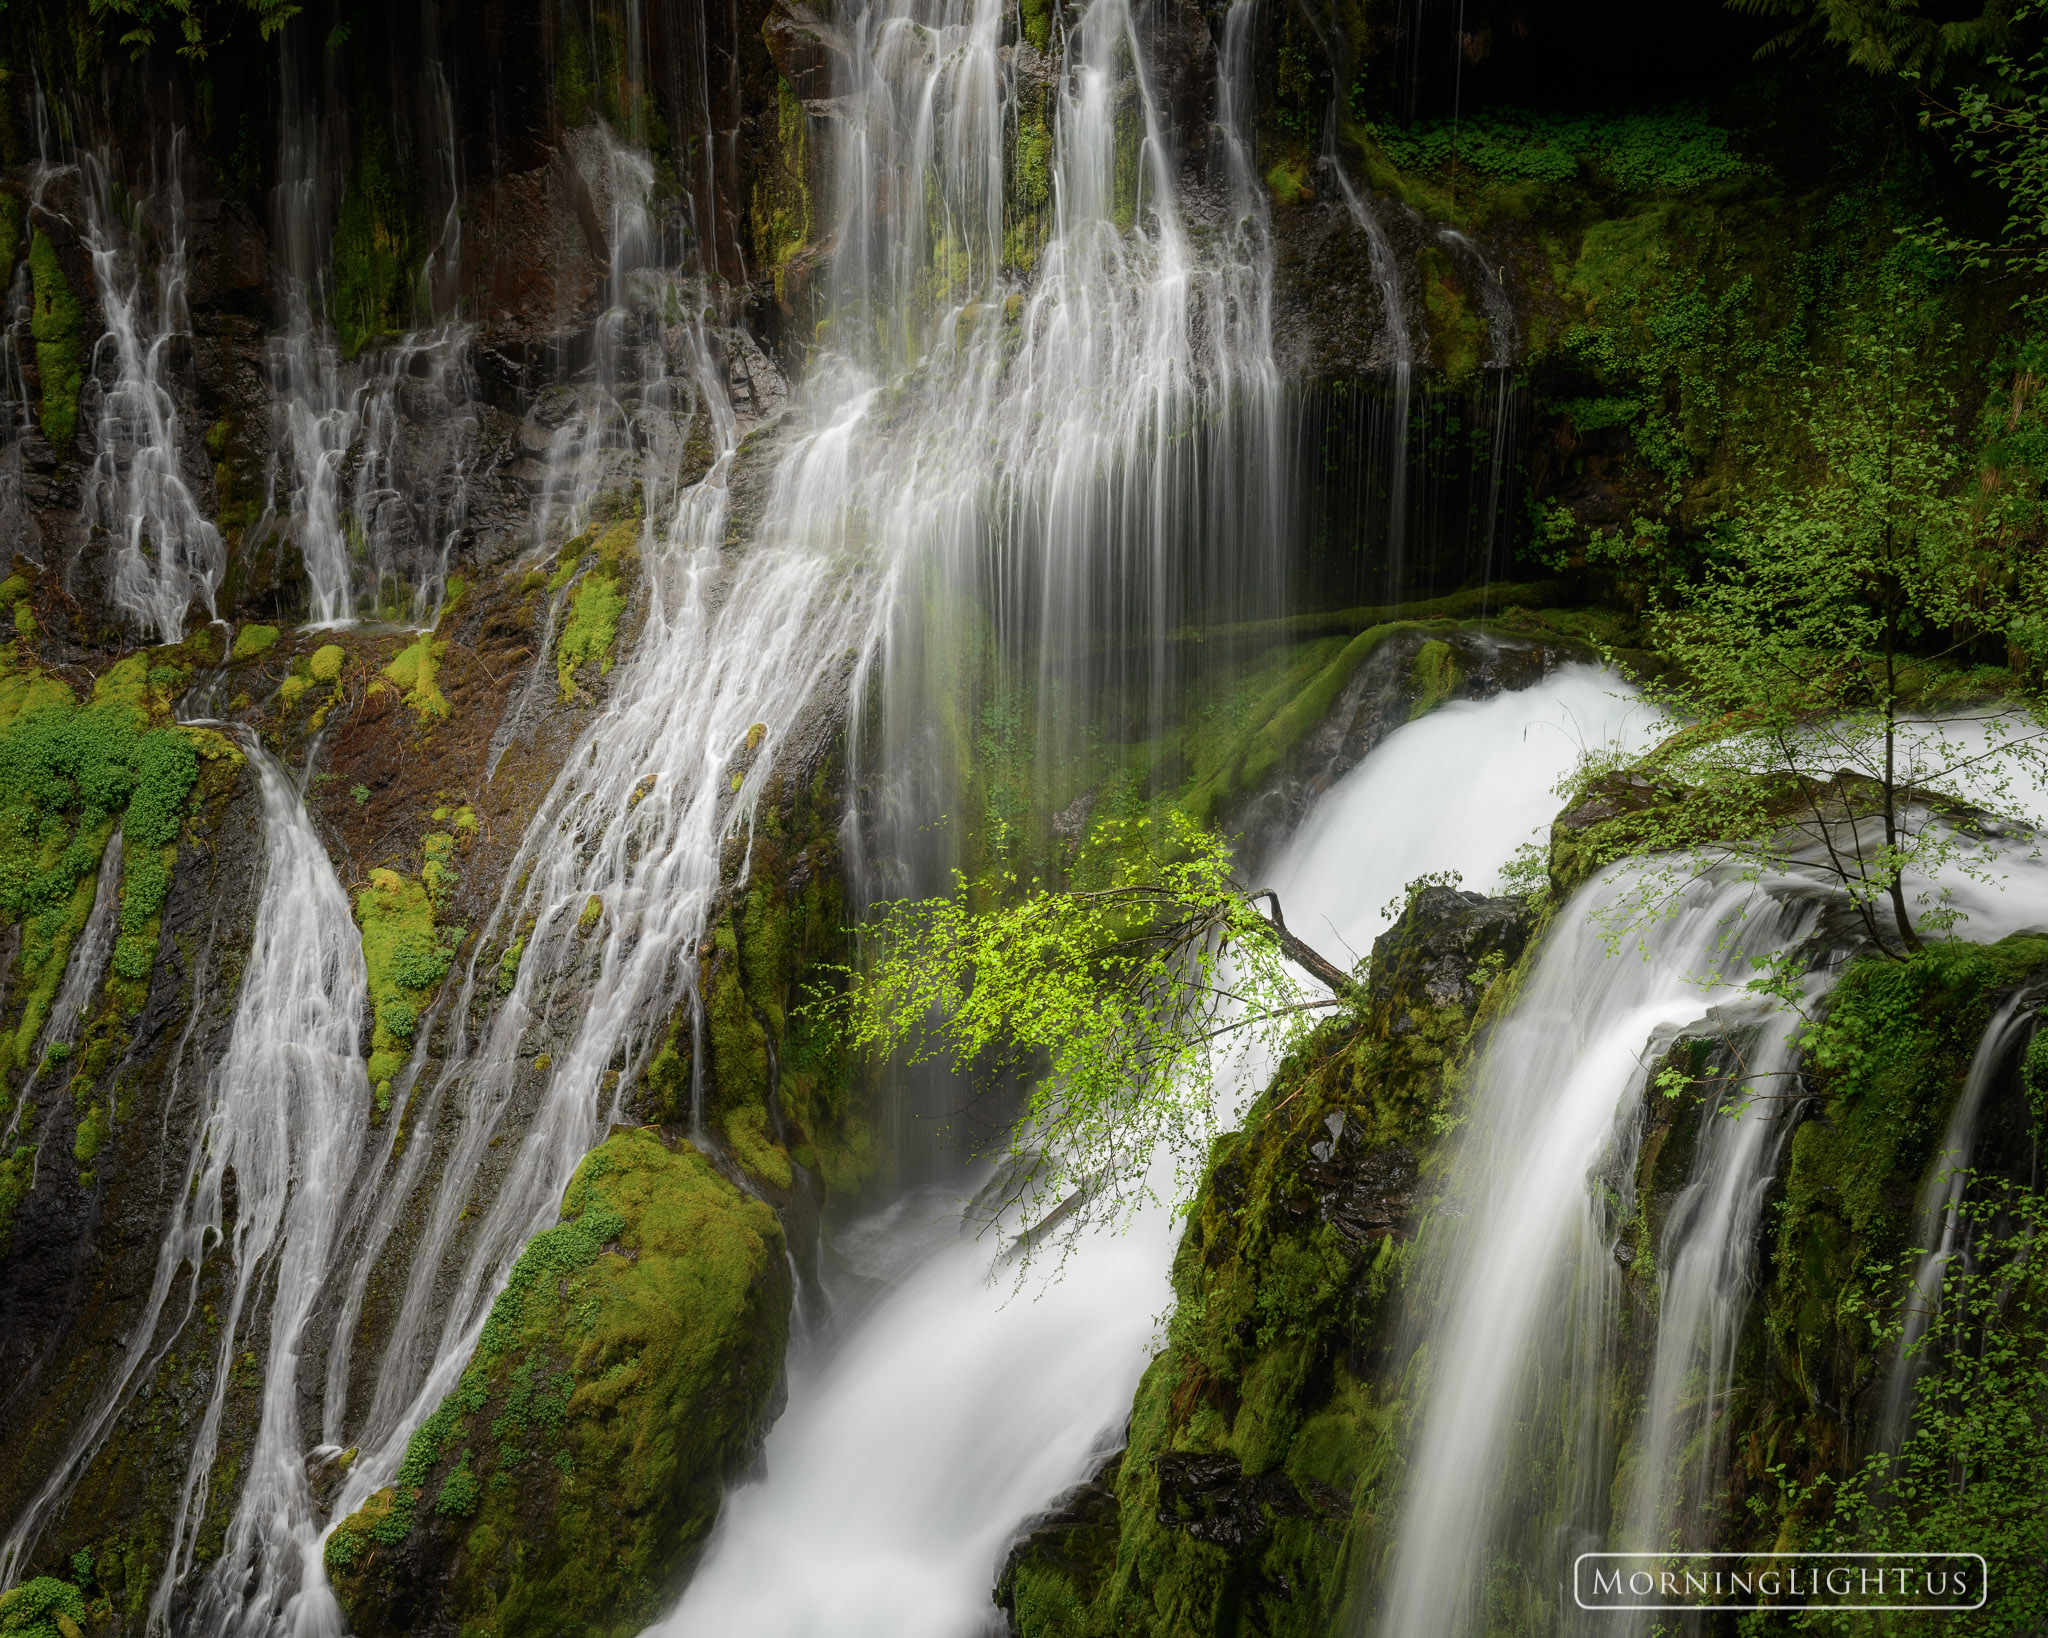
(166, 555)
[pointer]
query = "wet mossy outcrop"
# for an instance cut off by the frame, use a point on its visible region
(1263, 1440)
(1884, 1068)
(627, 1373)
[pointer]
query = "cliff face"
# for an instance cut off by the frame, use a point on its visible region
(349, 356)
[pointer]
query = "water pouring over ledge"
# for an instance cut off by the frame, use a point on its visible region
(921, 1433)
(1517, 1463)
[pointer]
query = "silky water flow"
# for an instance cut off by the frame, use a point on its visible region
(923, 1430)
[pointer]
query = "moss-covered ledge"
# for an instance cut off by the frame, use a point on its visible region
(624, 1376)
(1262, 1439)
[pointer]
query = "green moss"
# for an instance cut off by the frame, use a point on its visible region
(57, 323)
(781, 194)
(407, 960)
(591, 630)
(253, 640)
(1890, 1057)
(569, 561)
(1316, 676)
(739, 1046)
(620, 1379)
(1435, 676)
(17, 1172)
(1288, 181)
(1036, 16)
(414, 669)
(508, 966)
(1457, 336)
(327, 661)
(43, 1607)
(68, 774)
(91, 1136)
(746, 1130)
(379, 243)
(437, 867)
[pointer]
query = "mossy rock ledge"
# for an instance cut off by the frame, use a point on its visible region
(1260, 1461)
(629, 1370)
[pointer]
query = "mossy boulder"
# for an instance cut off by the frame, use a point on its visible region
(1260, 1461)
(626, 1374)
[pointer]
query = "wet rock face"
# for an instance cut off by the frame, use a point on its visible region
(1436, 956)
(1072, 1543)
(1363, 1190)
(1213, 1499)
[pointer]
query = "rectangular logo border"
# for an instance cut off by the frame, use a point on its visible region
(1983, 1595)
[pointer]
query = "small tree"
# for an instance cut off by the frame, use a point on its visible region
(1833, 659)
(1106, 1001)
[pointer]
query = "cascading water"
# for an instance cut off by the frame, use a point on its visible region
(1704, 1261)
(1402, 356)
(916, 1441)
(284, 1113)
(1523, 1278)
(373, 454)
(732, 654)
(1525, 1266)
(1937, 1214)
(1063, 424)
(166, 555)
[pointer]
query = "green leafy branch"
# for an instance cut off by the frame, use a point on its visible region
(1104, 1004)
(187, 20)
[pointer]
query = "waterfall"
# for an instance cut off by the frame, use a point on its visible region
(283, 1112)
(17, 521)
(922, 1431)
(1403, 351)
(1705, 1262)
(166, 554)
(375, 452)
(734, 650)
(1937, 1226)
(84, 968)
(1526, 1270)
(1517, 1461)
(1503, 341)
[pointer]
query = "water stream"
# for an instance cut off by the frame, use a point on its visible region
(734, 650)
(922, 1430)
(283, 1113)
(1527, 1278)
(1938, 1230)
(370, 476)
(1519, 1459)
(167, 557)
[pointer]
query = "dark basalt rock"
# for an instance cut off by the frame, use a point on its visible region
(806, 49)
(1211, 1497)
(1433, 957)
(1363, 1191)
